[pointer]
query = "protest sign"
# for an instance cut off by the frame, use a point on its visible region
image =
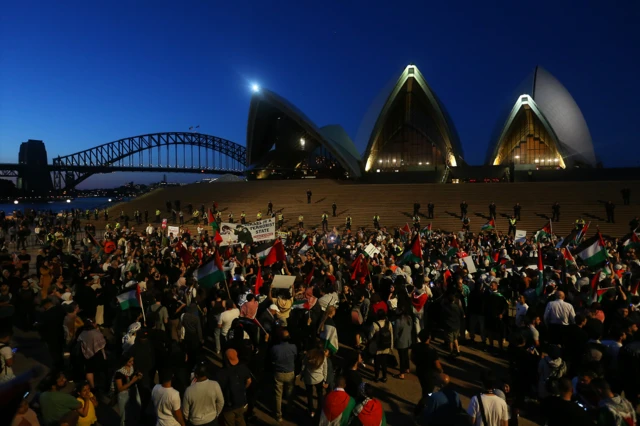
(237, 233)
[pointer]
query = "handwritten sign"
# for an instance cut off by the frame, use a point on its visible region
(234, 233)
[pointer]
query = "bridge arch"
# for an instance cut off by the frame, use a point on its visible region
(70, 170)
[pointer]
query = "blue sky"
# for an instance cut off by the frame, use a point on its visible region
(79, 74)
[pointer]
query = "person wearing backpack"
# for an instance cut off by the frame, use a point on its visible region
(381, 344)
(487, 408)
(549, 368)
(157, 315)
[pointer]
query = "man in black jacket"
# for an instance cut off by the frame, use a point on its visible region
(495, 311)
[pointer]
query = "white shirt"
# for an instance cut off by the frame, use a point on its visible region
(495, 410)
(559, 312)
(150, 230)
(7, 372)
(165, 401)
(226, 318)
(521, 311)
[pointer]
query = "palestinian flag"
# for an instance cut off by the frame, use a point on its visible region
(545, 232)
(595, 253)
(632, 243)
(581, 234)
(330, 336)
(130, 299)
(413, 253)
(301, 304)
(426, 231)
(370, 412)
(212, 221)
(599, 294)
(184, 253)
(211, 272)
(568, 257)
(405, 229)
(337, 408)
(308, 244)
(489, 225)
(276, 254)
(262, 251)
(453, 247)
(540, 286)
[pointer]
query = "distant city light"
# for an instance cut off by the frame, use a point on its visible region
(255, 88)
(377, 170)
(109, 200)
(68, 200)
(15, 202)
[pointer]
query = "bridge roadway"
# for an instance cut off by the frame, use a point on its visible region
(10, 169)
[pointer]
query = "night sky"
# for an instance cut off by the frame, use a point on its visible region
(91, 72)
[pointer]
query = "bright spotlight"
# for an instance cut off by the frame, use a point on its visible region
(68, 200)
(302, 142)
(15, 202)
(255, 88)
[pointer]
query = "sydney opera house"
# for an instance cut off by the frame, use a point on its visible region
(411, 133)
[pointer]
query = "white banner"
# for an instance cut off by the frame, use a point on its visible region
(521, 236)
(234, 233)
(175, 230)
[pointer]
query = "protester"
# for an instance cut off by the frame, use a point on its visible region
(378, 289)
(166, 401)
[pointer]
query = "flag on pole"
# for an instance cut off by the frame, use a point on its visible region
(633, 242)
(276, 254)
(545, 232)
(413, 253)
(453, 247)
(330, 336)
(489, 225)
(426, 230)
(581, 234)
(130, 299)
(405, 229)
(568, 257)
(211, 272)
(308, 243)
(259, 281)
(540, 286)
(595, 253)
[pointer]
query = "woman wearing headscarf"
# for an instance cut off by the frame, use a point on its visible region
(92, 344)
(124, 386)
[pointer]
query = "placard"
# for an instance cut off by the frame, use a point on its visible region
(234, 233)
(371, 250)
(521, 236)
(283, 281)
(471, 266)
(164, 223)
(175, 230)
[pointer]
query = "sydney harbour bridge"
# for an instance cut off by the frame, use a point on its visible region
(177, 152)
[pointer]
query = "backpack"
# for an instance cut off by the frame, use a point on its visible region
(356, 316)
(153, 317)
(384, 336)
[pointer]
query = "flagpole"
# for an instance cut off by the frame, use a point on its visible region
(139, 296)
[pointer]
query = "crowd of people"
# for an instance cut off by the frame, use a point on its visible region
(135, 322)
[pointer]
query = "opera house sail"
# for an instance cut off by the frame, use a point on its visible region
(413, 131)
(544, 128)
(282, 143)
